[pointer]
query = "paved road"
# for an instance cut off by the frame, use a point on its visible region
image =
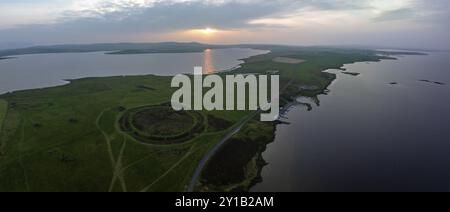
(214, 150)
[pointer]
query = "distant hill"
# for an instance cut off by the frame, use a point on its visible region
(13, 45)
(174, 47)
(114, 48)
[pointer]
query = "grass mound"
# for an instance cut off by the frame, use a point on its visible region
(161, 125)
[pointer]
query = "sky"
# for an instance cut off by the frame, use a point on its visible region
(385, 23)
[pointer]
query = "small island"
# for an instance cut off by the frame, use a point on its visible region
(351, 73)
(402, 53)
(432, 82)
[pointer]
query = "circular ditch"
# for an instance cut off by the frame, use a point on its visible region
(162, 125)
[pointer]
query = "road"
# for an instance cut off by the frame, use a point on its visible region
(202, 164)
(214, 150)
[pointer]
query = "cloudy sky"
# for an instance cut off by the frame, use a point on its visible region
(396, 23)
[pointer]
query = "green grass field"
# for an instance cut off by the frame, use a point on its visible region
(68, 138)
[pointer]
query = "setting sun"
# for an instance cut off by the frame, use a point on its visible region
(208, 31)
(204, 34)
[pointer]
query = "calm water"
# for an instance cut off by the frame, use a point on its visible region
(369, 135)
(45, 70)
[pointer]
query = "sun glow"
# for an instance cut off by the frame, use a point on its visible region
(208, 31)
(206, 35)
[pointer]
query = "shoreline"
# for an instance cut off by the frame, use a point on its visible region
(65, 82)
(249, 183)
(252, 142)
(339, 71)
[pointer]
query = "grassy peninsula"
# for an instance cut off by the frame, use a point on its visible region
(92, 134)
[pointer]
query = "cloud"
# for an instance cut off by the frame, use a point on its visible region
(308, 21)
(129, 17)
(399, 14)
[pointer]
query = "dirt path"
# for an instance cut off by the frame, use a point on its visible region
(189, 153)
(22, 140)
(118, 170)
(107, 139)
